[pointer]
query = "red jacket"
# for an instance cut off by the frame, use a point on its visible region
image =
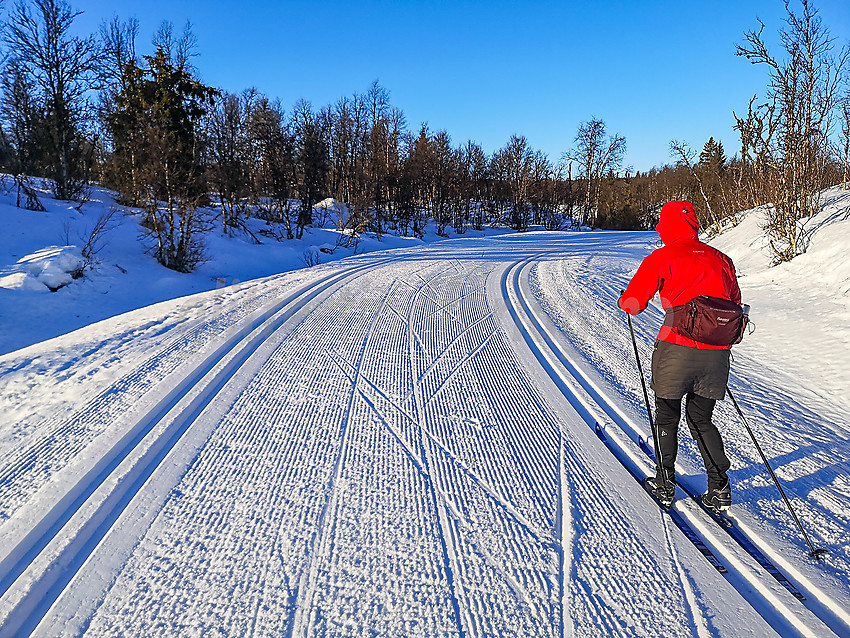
(682, 269)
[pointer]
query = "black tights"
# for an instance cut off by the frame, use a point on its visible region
(698, 410)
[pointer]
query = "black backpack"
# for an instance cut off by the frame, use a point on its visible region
(709, 320)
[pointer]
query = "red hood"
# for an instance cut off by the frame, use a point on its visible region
(678, 221)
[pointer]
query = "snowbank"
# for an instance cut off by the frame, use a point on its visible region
(801, 309)
(48, 269)
(824, 264)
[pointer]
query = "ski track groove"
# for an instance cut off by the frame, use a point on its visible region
(693, 607)
(312, 455)
(563, 529)
(61, 438)
(593, 602)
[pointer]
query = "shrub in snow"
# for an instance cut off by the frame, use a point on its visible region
(310, 257)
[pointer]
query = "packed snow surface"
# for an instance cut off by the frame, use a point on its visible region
(438, 440)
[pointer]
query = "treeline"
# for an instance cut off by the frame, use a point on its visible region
(81, 111)
(91, 110)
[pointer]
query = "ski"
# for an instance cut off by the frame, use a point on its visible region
(600, 432)
(724, 522)
(645, 447)
(666, 508)
(722, 519)
(655, 496)
(698, 543)
(688, 531)
(765, 562)
(728, 525)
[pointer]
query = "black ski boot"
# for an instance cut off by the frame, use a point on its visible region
(663, 491)
(718, 500)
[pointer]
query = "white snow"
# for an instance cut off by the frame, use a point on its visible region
(400, 443)
(38, 249)
(47, 269)
(801, 308)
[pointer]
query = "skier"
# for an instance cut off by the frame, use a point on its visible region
(683, 269)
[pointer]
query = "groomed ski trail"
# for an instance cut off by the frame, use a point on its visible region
(373, 452)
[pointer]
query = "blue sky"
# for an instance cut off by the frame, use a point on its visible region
(653, 71)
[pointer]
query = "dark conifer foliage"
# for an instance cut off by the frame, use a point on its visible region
(156, 154)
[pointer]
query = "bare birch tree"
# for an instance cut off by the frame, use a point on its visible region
(845, 141)
(787, 137)
(596, 155)
(61, 69)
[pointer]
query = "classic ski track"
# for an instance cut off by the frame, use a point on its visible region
(687, 590)
(563, 523)
(798, 428)
(23, 606)
(30, 465)
(749, 578)
(452, 484)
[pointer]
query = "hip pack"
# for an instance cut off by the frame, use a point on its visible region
(709, 320)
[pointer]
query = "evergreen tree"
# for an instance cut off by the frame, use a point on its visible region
(712, 156)
(155, 130)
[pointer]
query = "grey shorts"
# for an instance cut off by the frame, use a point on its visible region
(677, 370)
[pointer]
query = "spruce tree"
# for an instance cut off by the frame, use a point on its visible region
(155, 131)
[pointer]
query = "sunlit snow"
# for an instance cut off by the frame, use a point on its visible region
(433, 440)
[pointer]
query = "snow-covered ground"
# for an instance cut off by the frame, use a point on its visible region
(38, 249)
(437, 440)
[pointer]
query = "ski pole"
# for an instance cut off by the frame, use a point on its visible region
(814, 553)
(645, 395)
(640, 369)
